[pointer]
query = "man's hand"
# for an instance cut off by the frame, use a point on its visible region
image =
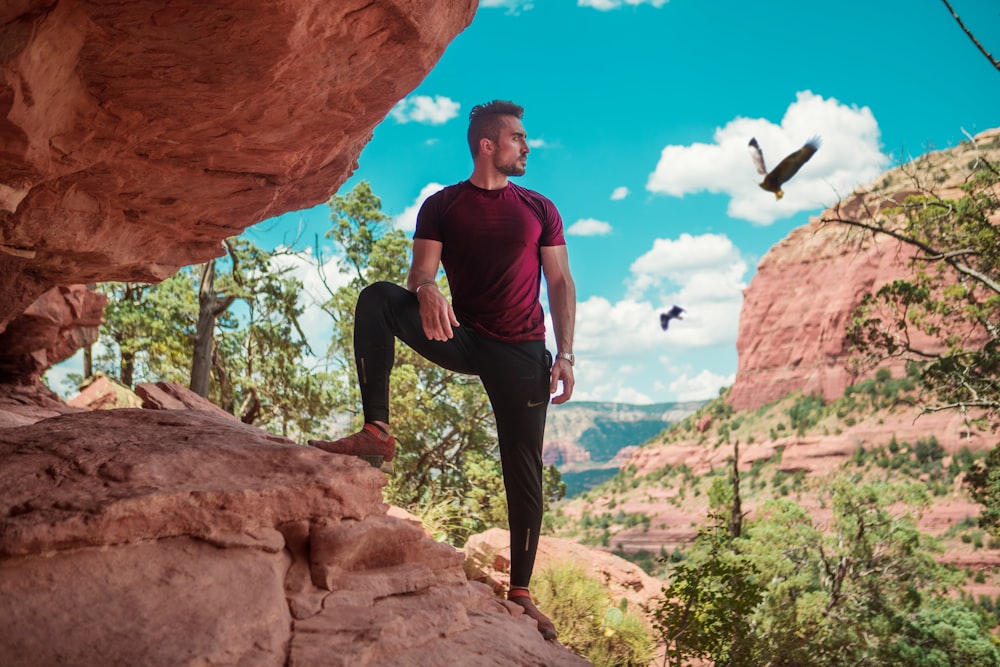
(436, 314)
(562, 371)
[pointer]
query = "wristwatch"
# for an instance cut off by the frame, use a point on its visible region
(568, 356)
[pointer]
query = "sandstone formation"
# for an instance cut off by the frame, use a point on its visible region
(799, 303)
(816, 454)
(179, 537)
(172, 396)
(100, 392)
(26, 403)
(135, 136)
(56, 325)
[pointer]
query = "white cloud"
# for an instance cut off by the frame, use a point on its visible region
(425, 109)
(606, 5)
(702, 387)
(850, 155)
(316, 324)
(705, 268)
(537, 143)
(702, 274)
(619, 193)
(56, 377)
(407, 220)
(623, 352)
(512, 6)
(589, 227)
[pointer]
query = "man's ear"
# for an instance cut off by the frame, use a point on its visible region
(486, 146)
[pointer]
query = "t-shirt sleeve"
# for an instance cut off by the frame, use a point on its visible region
(552, 226)
(429, 220)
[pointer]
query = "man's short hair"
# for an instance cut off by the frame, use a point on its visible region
(485, 121)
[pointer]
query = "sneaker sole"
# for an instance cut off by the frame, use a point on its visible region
(378, 462)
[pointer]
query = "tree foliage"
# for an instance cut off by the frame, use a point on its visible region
(589, 621)
(261, 368)
(147, 332)
(259, 356)
(863, 591)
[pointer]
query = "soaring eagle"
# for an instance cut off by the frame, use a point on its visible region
(673, 313)
(774, 179)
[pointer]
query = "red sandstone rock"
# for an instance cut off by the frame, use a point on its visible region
(136, 136)
(23, 404)
(704, 423)
(172, 396)
(103, 393)
(178, 537)
(56, 325)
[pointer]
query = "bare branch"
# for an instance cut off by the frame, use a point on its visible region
(931, 253)
(972, 37)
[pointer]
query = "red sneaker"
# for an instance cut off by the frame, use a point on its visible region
(370, 444)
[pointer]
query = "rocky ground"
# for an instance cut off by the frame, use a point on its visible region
(182, 536)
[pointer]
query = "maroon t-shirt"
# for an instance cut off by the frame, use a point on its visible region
(491, 254)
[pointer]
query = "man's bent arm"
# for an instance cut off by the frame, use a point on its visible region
(436, 314)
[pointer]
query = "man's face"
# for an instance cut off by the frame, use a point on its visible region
(511, 155)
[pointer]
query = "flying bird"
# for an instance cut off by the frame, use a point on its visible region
(672, 314)
(774, 179)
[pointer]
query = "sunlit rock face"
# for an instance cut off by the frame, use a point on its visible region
(799, 303)
(135, 136)
(184, 537)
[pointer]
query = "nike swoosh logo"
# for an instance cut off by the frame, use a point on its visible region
(535, 404)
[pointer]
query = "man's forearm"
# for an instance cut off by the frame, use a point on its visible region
(415, 279)
(562, 304)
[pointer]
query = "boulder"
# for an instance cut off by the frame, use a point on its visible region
(181, 537)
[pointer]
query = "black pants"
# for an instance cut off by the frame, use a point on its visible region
(516, 379)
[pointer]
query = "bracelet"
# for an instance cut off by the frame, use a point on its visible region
(417, 291)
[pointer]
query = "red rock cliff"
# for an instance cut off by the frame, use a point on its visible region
(135, 136)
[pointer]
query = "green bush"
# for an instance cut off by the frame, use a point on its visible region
(588, 621)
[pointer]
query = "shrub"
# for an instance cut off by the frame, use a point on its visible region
(588, 621)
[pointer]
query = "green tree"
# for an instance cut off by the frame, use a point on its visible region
(212, 305)
(983, 481)
(944, 633)
(864, 590)
(708, 608)
(261, 354)
(589, 622)
(256, 352)
(147, 331)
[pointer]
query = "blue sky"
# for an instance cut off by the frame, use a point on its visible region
(639, 112)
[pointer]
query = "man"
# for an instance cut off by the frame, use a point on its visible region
(495, 239)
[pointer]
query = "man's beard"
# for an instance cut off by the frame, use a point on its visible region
(513, 168)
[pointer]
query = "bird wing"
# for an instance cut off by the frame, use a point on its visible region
(791, 164)
(757, 156)
(665, 318)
